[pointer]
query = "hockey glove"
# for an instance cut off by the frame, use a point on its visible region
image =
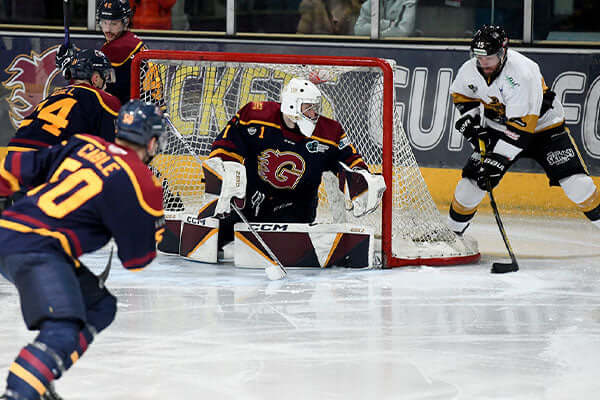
(364, 189)
(225, 181)
(469, 127)
(492, 169)
(64, 57)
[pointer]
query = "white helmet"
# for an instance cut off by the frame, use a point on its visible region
(294, 94)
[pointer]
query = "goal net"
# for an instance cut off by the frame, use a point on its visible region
(201, 91)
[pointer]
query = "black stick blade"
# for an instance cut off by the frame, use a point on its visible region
(502, 268)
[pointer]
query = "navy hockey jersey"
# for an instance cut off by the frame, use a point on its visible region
(85, 191)
(283, 164)
(79, 108)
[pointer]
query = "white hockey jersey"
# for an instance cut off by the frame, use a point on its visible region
(513, 100)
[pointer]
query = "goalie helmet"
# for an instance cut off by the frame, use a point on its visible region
(294, 94)
(114, 10)
(87, 61)
(140, 121)
(490, 40)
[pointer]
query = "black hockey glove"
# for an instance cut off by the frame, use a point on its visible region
(469, 127)
(64, 57)
(492, 169)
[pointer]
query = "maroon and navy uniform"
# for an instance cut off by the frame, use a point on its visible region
(283, 167)
(85, 191)
(67, 111)
(120, 52)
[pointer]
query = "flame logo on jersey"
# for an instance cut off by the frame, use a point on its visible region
(30, 81)
(281, 170)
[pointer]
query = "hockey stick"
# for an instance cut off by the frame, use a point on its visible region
(104, 274)
(67, 22)
(274, 271)
(498, 267)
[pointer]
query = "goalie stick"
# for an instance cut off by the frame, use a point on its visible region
(274, 271)
(498, 267)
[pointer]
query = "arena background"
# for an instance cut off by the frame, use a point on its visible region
(424, 74)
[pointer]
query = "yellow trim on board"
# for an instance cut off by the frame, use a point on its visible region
(518, 193)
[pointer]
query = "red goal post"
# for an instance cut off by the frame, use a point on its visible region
(201, 91)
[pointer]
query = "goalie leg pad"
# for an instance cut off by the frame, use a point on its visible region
(199, 239)
(305, 245)
(172, 235)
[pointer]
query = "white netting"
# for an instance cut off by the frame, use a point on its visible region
(200, 96)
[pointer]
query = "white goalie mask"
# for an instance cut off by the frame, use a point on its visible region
(301, 102)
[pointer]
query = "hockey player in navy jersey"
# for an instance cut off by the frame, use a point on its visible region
(86, 190)
(83, 106)
(273, 155)
(521, 118)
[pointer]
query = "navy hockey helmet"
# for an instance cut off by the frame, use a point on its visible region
(489, 40)
(140, 121)
(114, 10)
(87, 61)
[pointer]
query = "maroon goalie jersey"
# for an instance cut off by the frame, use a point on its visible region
(283, 166)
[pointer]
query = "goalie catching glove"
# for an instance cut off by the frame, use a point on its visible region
(225, 182)
(364, 189)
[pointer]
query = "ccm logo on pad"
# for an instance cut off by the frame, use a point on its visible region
(270, 227)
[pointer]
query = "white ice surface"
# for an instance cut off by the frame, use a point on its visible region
(188, 330)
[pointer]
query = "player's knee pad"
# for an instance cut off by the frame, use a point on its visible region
(59, 340)
(467, 197)
(101, 314)
(578, 188)
(468, 194)
(39, 363)
(581, 190)
(57, 292)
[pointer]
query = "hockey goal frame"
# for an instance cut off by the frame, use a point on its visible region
(388, 260)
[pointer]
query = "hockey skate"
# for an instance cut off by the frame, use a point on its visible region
(51, 393)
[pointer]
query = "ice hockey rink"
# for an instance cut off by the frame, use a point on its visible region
(188, 330)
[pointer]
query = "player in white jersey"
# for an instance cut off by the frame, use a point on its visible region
(505, 105)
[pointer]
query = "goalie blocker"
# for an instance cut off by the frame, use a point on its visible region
(295, 245)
